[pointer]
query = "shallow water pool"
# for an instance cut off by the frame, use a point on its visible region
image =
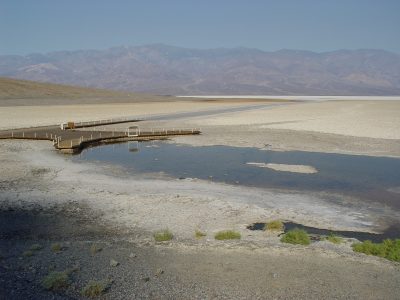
(367, 178)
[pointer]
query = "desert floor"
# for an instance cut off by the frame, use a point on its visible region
(46, 198)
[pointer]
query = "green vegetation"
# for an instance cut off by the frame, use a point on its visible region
(163, 235)
(56, 281)
(296, 236)
(32, 249)
(28, 253)
(334, 239)
(199, 234)
(36, 247)
(95, 248)
(56, 247)
(275, 225)
(389, 249)
(95, 288)
(227, 235)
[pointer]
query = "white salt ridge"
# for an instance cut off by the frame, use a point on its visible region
(286, 168)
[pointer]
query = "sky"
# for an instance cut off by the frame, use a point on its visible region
(40, 26)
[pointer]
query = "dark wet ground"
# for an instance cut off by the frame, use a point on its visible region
(390, 233)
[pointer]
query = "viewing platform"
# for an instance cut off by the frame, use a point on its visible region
(69, 139)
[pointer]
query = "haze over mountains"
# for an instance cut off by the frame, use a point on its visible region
(162, 69)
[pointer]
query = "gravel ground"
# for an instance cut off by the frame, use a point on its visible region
(172, 270)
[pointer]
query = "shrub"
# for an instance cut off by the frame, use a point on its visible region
(95, 248)
(227, 235)
(28, 253)
(275, 225)
(95, 288)
(296, 236)
(36, 247)
(56, 247)
(56, 281)
(389, 249)
(199, 234)
(334, 239)
(163, 235)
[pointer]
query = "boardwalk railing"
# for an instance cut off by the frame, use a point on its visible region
(71, 125)
(108, 135)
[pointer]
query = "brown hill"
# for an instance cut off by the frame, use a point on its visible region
(24, 92)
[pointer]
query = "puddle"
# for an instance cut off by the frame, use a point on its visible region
(367, 178)
(317, 233)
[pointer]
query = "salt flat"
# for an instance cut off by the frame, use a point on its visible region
(374, 119)
(298, 98)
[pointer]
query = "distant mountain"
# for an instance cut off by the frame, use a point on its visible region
(162, 69)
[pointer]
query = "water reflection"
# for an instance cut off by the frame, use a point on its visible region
(368, 178)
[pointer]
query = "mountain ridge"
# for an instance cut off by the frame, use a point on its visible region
(165, 69)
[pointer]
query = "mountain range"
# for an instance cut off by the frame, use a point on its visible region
(163, 69)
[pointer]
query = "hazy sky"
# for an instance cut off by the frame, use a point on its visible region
(28, 26)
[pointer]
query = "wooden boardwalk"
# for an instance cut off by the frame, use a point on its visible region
(73, 141)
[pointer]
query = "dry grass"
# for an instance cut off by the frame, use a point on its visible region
(275, 225)
(94, 248)
(36, 247)
(334, 239)
(227, 235)
(389, 249)
(28, 253)
(199, 234)
(56, 281)
(95, 289)
(163, 235)
(296, 236)
(56, 247)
